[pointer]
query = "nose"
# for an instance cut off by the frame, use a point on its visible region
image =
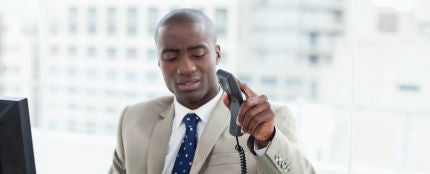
(186, 66)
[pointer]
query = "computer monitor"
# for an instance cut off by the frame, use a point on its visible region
(16, 145)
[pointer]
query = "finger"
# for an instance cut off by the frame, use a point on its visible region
(226, 101)
(253, 112)
(248, 104)
(264, 135)
(245, 89)
(244, 108)
(253, 122)
(263, 118)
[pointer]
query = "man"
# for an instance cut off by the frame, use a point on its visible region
(153, 136)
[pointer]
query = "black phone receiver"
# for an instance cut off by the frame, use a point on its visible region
(231, 87)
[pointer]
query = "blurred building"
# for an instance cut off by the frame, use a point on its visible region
(19, 57)
(286, 45)
(391, 57)
(100, 56)
(391, 97)
(86, 60)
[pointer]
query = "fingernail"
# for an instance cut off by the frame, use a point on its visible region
(241, 130)
(237, 122)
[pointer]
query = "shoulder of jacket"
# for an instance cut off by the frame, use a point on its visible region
(278, 107)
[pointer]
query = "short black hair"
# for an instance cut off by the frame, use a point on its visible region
(188, 15)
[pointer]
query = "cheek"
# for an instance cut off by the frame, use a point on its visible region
(166, 68)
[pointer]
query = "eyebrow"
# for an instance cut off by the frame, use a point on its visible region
(169, 50)
(200, 46)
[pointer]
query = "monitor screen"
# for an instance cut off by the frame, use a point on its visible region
(16, 145)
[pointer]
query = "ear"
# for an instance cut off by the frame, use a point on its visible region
(218, 53)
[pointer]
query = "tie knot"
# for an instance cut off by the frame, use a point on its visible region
(191, 120)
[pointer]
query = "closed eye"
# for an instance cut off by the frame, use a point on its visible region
(170, 59)
(198, 55)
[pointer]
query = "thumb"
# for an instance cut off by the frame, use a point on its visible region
(226, 101)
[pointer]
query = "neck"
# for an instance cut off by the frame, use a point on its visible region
(196, 104)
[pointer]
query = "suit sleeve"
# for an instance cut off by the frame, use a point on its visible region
(282, 155)
(118, 166)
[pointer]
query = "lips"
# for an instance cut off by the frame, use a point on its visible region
(188, 85)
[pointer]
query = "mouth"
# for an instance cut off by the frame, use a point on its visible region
(188, 85)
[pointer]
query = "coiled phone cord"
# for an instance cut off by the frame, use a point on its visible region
(241, 156)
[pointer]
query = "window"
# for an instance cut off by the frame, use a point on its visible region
(111, 74)
(53, 124)
(72, 72)
(91, 74)
(131, 77)
(294, 86)
(72, 126)
(409, 88)
(313, 59)
(110, 93)
(221, 21)
(131, 53)
(152, 20)
(91, 127)
(313, 38)
(73, 20)
(151, 77)
(151, 55)
(92, 20)
(72, 51)
(53, 26)
(132, 21)
(111, 53)
(91, 92)
(90, 109)
(54, 50)
(314, 90)
(110, 129)
(111, 21)
(110, 109)
(269, 82)
(246, 79)
(91, 51)
(131, 94)
(72, 91)
(338, 16)
(54, 71)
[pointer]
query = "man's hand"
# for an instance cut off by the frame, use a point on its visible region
(255, 115)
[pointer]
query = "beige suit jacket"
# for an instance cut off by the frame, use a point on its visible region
(144, 133)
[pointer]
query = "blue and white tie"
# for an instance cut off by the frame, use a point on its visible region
(184, 159)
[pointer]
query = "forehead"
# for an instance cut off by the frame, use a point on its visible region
(183, 34)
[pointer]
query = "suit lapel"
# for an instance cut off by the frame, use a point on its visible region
(159, 141)
(217, 123)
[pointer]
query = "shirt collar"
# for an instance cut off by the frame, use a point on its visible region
(203, 111)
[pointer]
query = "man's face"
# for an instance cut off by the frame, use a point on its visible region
(188, 58)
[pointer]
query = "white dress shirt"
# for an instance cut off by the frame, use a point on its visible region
(178, 129)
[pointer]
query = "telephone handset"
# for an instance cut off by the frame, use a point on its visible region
(231, 87)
